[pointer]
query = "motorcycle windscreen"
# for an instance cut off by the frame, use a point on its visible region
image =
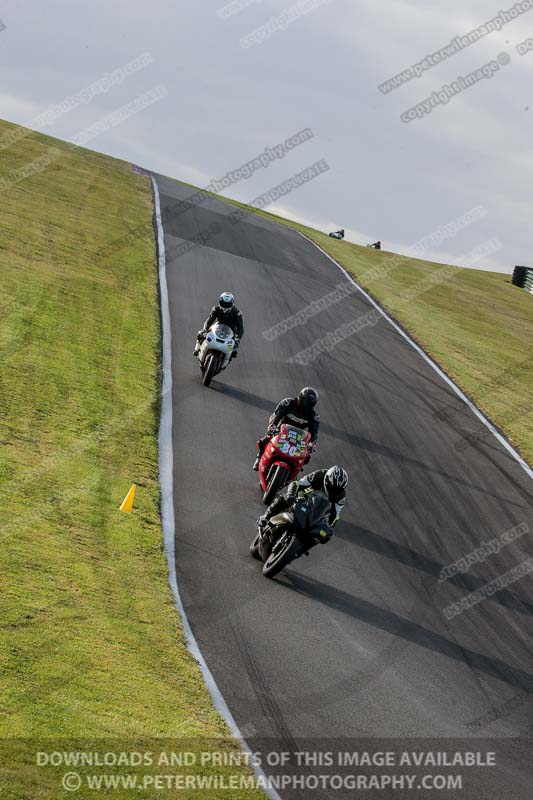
(292, 432)
(291, 441)
(222, 331)
(312, 510)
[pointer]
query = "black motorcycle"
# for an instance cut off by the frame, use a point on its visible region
(292, 533)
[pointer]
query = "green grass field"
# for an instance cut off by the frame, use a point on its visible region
(91, 645)
(474, 323)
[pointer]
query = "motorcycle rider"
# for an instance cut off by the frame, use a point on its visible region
(227, 313)
(298, 411)
(332, 481)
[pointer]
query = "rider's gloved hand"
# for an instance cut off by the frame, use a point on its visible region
(271, 430)
(292, 491)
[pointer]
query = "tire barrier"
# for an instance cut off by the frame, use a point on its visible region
(523, 277)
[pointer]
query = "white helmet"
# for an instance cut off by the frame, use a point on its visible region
(335, 478)
(226, 300)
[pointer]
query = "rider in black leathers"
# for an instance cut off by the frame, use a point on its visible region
(227, 313)
(332, 481)
(298, 411)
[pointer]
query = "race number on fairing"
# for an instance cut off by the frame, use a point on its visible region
(288, 449)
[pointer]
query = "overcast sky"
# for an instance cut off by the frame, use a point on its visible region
(224, 103)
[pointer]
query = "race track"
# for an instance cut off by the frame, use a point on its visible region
(351, 642)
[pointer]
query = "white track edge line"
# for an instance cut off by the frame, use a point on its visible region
(503, 441)
(166, 482)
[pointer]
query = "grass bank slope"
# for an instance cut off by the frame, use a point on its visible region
(91, 645)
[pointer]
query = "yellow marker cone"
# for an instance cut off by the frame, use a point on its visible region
(127, 503)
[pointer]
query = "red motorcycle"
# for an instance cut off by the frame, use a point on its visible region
(283, 459)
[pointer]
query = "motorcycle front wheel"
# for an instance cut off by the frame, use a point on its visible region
(254, 548)
(211, 368)
(284, 551)
(277, 482)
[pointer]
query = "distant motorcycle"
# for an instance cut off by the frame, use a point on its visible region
(216, 351)
(337, 235)
(283, 459)
(292, 533)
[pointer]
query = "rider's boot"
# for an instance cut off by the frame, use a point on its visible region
(196, 348)
(257, 460)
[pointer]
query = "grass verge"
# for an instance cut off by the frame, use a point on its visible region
(91, 648)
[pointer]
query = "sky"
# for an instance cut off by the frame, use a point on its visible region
(219, 84)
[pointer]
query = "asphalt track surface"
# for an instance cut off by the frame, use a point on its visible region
(351, 643)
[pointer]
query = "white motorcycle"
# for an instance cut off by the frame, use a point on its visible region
(216, 351)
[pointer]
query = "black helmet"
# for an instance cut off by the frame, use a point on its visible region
(308, 397)
(335, 478)
(226, 300)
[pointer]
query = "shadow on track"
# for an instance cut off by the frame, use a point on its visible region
(355, 440)
(389, 622)
(376, 543)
